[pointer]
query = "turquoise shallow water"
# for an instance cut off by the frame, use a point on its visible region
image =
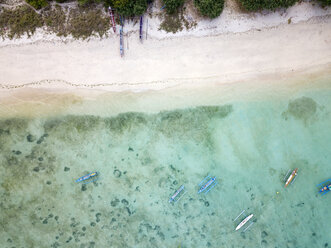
(143, 158)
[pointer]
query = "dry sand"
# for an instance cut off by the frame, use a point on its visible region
(259, 55)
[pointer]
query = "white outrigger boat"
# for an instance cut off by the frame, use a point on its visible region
(291, 178)
(244, 221)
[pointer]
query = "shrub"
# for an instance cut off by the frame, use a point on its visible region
(55, 20)
(19, 21)
(86, 23)
(325, 2)
(37, 4)
(171, 6)
(129, 8)
(255, 5)
(209, 8)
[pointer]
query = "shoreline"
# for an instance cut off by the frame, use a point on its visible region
(66, 73)
(31, 102)
(166, 63)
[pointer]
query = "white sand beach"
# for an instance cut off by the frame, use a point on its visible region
(275, 50)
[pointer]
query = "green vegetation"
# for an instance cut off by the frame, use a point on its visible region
(19, 21)
(37, 4)
(256, 5)
(83, 24)
(172, 6)
(175, 22)
(129, 8)
(171, 23)
(209, 8)
(325, 2)
(55, 20)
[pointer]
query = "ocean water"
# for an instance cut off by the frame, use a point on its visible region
(143, 157)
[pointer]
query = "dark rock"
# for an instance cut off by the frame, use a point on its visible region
(42, 138)
(40, 159)
(84, 187)
(326, 245)
(56, 218)
(264, 242)
(98, 217)
(175, 182)
(206, 203)
(18, 152)
(45, 221)
(36, 169)
(129, 211)
(49, 182)
(114, 202)
(130, 149)
(92, 224)
(66, 169)
(112, 220)
(264, 234)
(91, 244)
(69, 239)
(117, 173)
(125, 202)
(30, 138)
(84, 228)
(50, 216)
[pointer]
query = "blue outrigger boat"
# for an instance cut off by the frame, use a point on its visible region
(121, 38)
(141, 29)
(207, 184)
(326, 186)
(180, 192)
(89, 178)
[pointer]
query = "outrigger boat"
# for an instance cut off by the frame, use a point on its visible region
(89, 178)
(244, 221)
(291, 178)
(141, 29)
(180, 192)
(112, 18)
(121, 39)
(207, 184)
(326, 186)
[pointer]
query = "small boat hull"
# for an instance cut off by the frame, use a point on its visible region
(291, 178)
(180, 192)
(326, 187)
(86, 179)
(207, 184)
(241, 224)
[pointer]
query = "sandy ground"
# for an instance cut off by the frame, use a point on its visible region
(270, 49)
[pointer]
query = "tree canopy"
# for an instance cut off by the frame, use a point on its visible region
(325, 2)
(209, 8)
(171, 6)
(129, 8)
(255, 5)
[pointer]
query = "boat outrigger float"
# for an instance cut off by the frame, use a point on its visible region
(291, 178)
(207, 184)
(89, 178)
(326, 186)
(112, 18)
(244, 221)
(180, 192)
(141, 29)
